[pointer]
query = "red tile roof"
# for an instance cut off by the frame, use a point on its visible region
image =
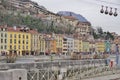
(33, 31)
(20, 29)
(11, 29)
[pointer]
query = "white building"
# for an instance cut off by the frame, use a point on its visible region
(68, 45)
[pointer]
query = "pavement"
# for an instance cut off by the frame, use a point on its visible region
(108, 77)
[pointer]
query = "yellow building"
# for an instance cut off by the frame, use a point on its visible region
(76, 45)
(92, 46)
(42, 43)
(80, 45)
(59, 43)
(53, 48)
(100, 46)
(19, 40)
(85, 46)
(35, 42)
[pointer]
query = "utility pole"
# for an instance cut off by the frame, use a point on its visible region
(117, 54)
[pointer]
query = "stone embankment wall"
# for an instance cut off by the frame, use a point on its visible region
(13, 74)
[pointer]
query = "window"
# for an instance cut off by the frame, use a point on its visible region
(5, 40)
(2, 29)
(26, 36)
(14, 41)
(23, 47)
(14, 35)
(5, 47)
(23, 42)
(19, 47)
(19, 36)
(10, 40)
(26, 47)
(10, 46)
(1, 34)
(23, 36)
(1, 40)
(15, 47)
(19, 41)
(10, 35)
(26, 42)
(5, 35)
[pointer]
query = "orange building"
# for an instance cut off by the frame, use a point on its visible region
(53, 48)
(50, 45)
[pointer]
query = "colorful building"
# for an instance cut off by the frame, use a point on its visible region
(53, 48)
(100, 46)
(113, 47)
(107, 46)
(76, 45)
(59, 42)
(42, 44)
(80, 45)
(35, 42)
(3, 40)
(19, 40)
(83, 28)
(92, 46)
(85, 46)
(50, 45)
(68, 45)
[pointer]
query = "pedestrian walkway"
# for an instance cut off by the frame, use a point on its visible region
(108, 77)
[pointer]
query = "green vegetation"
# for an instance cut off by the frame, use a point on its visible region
(99, 33)
(31, 22)
(17, 20)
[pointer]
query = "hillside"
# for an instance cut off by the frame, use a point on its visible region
(24, 12)
(29, 13)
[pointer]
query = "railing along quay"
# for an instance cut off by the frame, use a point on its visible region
(48, 64)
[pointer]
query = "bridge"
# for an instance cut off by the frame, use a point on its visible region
(61, 70)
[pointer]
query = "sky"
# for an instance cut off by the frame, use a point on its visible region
(90, 9)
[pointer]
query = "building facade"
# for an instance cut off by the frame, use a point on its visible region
(19, 41)
(68, 45)
(100, 46)
(35, 42)
(76, 45)
(85, 46)
(107, 46)
(59, 43)
(3, 40)
(42, 44)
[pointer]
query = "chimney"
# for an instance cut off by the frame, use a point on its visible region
(14, 27)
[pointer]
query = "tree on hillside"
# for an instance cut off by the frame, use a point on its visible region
(101, 34)
(100, 30)
(109, 36)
